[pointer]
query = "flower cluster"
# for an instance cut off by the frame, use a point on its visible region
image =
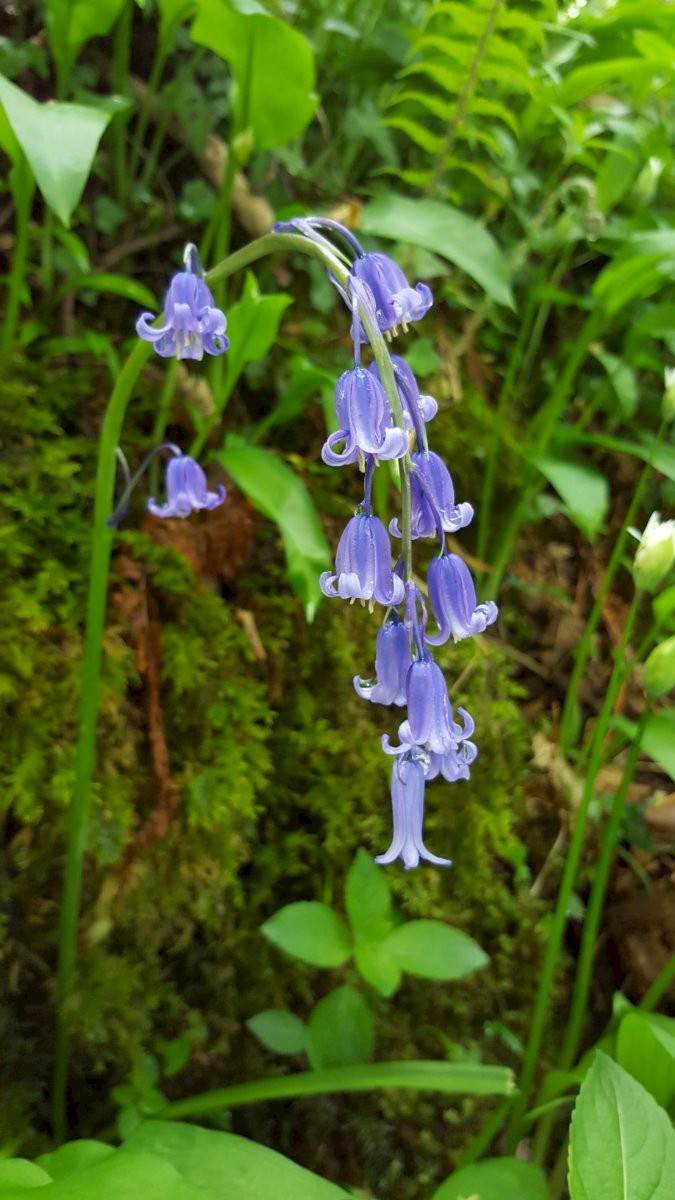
(381, 414)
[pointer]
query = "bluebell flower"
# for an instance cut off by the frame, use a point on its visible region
(186, 490)
(430, 721)
(396, 302)
(392, 663)
(453, 600)
(407, 802)
(417, 409)
(455, 763)
(432, 499)
(365, 421)
(363, 565)
(192, 323)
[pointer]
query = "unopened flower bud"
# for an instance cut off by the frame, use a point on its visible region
(668, 401)
(655, 554)
(659, 676)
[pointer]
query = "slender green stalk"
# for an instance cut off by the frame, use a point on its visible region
(658, 988)
(22, 191)
(481, 1142)
(544, 428)
(559, 920)
(162, 419)
(222, 233)
(78, 814)
(147, 102)
(596, 901)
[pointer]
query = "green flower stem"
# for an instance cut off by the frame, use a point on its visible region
(78, 814)
(559, 920)
(658, 988)
(544, 428)
(162, 420)
(23, 187)
(596, 901)
(147, 103)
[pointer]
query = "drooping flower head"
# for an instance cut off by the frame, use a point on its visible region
(186, 490)
(417, 409)
(396, 302)
(192, 323)
(363, 564)
(392, 663)
(365, 422)
(432, 499)
(453, 601)
(407, 803)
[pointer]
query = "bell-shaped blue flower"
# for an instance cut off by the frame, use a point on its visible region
(365, 421)
(453, 601)
(417, 409)
(396, 302)
(432, 499)
(430, 722)
(407, 803)
(363, 565)
(186, 490)
(192, 323)
(455, 763)
(392, 663)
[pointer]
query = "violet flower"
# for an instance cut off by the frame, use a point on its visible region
(432, 499)
(417, 409)
(396, 302)
(363, 564)
(365, 421)
(186, 490)
(453, 601)
(407, 802)
(392, 663)
(430, 721)
(192, 323)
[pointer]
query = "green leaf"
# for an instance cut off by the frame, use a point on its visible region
(280, 1031)
(646, 1049)
(367, 899)
(311, 932)
(112, 285)
(71, 23)
(496, 1179)
(446, 231)
(341, 1030)
(252, 327)
(376, 964)
(623, 380)
(621, 1143)
(59, 141)
(223, 1166)
(278, 494)
(434, 950)
(451, 1079)
(658, 740)
(20, 1173)
(659, 672)
(273, 65)
(122, 1175)
(584, 491)
(73, 1157)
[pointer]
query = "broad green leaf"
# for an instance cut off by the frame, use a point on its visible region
(646, 264)
(584, 491)
(632, 72)
(173, 13)
(223, 1166)
(340, 1030)
(622, 378)
(496, 1179)
(445, 230)
(450, 1079)
(367, 899)
(59, 141)
(273, 65)
(658, 740)
(280, 1031)
(621, 1143)
(72, 23)
(433, 950)
(278, 494)
(112, 285)
(376, 964)
(20, 1173)
(252, 327)
(311, 932)
(647, 1051)
(122, 1175)
(73, 1157)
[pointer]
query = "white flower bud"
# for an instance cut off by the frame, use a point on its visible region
(655, 554)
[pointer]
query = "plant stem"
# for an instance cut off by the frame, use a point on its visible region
(121, 58)
(557, 928)
(22, 191)
(161, 420)
(145, 110)
(78, 813)
(657, 989)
